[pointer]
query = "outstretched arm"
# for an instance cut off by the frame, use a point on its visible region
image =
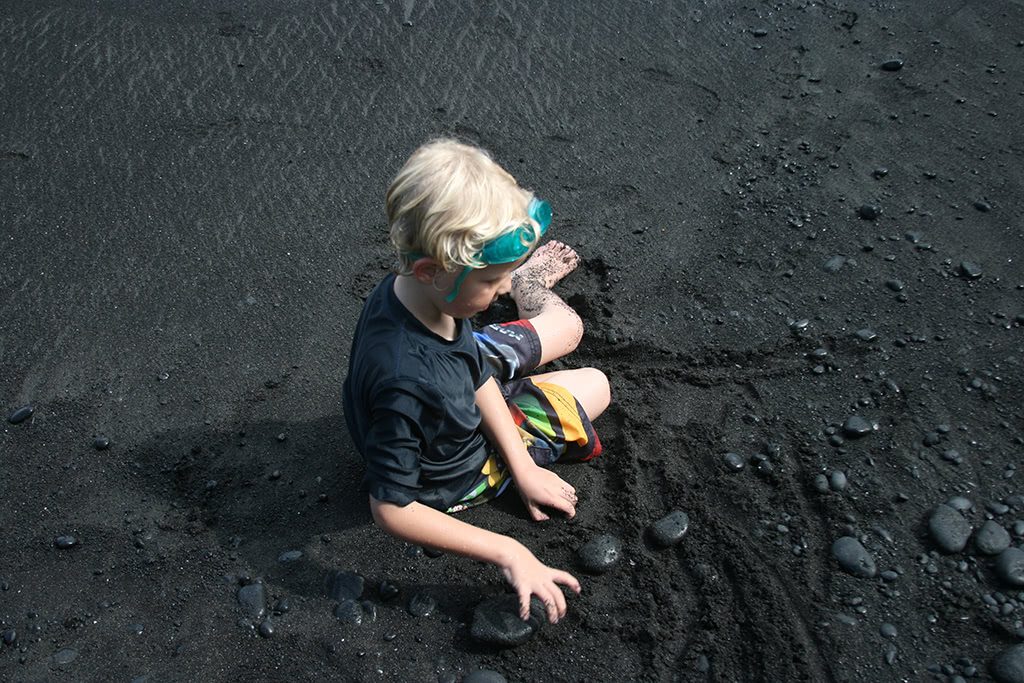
(423, 525)
(537, 486)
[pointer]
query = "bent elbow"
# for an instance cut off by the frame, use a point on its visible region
(384, 514)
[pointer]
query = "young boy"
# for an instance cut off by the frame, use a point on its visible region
(443, 416)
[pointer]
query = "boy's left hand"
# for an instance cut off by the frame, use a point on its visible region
(539, 487)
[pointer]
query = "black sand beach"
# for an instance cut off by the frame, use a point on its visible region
(789, 213)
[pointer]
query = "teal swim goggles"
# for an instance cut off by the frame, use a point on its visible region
(507, 247)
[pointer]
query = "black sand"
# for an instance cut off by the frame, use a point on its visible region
(191, 209)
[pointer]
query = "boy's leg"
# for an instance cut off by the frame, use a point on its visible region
(557, 325)
(589, 386)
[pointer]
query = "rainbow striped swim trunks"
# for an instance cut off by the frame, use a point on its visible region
(551, 422)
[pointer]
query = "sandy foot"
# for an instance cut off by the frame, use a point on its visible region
(549, 264)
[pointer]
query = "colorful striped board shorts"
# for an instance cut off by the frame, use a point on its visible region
(552, 423)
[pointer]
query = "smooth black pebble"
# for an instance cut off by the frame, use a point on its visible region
(421, 605)
(969, 270)
(349, 611)
(496, 621)
(892, 65)
(856, 427)
(19, 415)
(1008, 665)
(253, 600)
(866, 334)
(344, 585)
(853, 558)
(834, 264)
(1010, 566)
(670, 529)
(599, 554)
(289, 556)
(991, 538)
(869, 212)
(949, 529)
(65, 542)
(387, 591)
(733, 461)
(101, 443)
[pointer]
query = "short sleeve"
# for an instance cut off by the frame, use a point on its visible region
(400, 428)
(486, 369)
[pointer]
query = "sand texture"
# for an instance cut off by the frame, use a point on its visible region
(777, 235)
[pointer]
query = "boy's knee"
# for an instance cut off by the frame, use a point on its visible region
(600, 388)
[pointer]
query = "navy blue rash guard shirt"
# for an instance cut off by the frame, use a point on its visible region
(410, 404)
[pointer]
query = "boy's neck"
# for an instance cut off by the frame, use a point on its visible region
(410, 293)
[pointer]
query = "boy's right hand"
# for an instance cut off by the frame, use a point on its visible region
(529, 577)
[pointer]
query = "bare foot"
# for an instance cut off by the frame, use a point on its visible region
(549, 264)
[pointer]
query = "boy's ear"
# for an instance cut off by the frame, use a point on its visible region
(425, 270)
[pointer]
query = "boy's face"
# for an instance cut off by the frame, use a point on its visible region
(480, 288)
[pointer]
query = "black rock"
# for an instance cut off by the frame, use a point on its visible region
(282, 606)
(869, 212)
(856, 427)
(837, 481)
(65, 542)
(866, 334)
(1008, 665)
(949, 529)
(10, 636)
(19, 415)
(344, 585)
(101, 443)
(349, 611)
(733, 461)
(670, 529)
(982, 206)
(820, 483)
(891, 65)
(599, 554)
(496, 621)
(932, 438)
(289, 556)
(894, 285)
(969, 269)
(253, 600)
(1010, 566)
(387, 591)
(880, 172)
(421, 605)
(853, 558)
(64, 656)
(266, 628)
(997, 508)
(960, 504)
(834, 264)
(484, 676)
(887, 630)
(759, 32)
(432, 552)
(991, 538)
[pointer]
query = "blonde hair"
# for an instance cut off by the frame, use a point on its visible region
(448, 200)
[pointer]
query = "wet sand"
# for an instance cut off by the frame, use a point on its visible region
(192, 211)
